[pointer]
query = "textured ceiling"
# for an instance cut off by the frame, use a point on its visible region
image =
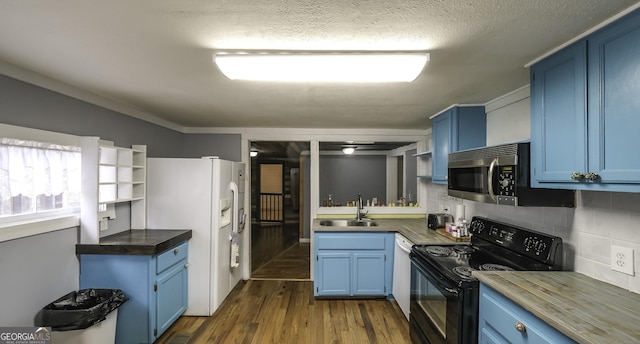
(155, 56)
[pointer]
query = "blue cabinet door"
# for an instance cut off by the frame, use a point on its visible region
(369, 273)
(441, 136)
(584, 112)
(459, 128)
(614, 102)
(333, 273)
(559, 116)
(171, 296)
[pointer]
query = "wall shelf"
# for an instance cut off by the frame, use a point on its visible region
(423, 154)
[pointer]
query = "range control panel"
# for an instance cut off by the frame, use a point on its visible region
(540, 246)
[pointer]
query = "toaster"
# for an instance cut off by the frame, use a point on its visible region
(439, 220)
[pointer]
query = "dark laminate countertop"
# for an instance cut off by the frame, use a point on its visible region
(136, 242)
(584, 309)
(415, 230)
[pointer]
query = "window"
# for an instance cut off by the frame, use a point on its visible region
(37, 177)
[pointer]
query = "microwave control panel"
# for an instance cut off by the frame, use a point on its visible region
(507, 181)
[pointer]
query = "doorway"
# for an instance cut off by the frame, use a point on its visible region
(277, 211)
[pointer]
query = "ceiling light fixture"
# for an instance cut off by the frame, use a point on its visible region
(323, 67)
(348, 150)
(253, 153)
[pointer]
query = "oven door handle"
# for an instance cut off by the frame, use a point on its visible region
(450, 290)
(490, 180)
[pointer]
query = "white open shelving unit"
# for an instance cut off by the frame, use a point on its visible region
(111, 175)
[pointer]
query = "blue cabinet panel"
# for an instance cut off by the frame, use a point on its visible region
(614, 101)
(333, 273)
(369, 273)
(559, 115)
(459, 128)
(441, 136)
(584, 112)
(500, 316)
(155, 284)
(350, 264)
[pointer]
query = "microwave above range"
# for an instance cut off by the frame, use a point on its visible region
(501, 175)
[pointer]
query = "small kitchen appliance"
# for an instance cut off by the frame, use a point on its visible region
(445, 294)
(438, 220)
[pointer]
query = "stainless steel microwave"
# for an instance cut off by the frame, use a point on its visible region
(501, 175)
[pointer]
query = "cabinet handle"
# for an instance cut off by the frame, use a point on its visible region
(591, 176)
(520, 327)
(577, 176)
(176, 251)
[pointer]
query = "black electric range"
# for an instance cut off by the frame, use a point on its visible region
(444, 300)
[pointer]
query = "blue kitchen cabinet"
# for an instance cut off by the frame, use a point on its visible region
(584, 112)
(353, 264)
(155, 284)
(501, 321)
(458, 128)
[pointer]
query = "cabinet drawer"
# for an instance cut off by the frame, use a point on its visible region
(170, 257)
(498, 319)
(350, 242)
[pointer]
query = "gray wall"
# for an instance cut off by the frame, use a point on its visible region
(38, 269)
(225, 146)
(347, 176)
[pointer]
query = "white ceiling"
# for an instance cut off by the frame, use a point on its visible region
(154, 57)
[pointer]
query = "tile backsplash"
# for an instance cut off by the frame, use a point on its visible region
(599, 220)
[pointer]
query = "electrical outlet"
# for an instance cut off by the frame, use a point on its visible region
(622, 259)
(104, 224)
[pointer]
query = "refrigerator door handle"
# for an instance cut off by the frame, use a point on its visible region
(234, 211)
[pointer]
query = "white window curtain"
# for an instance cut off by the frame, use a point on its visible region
(37, 176)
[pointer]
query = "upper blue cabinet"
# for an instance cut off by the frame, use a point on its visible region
(458, 128)
(585, 112)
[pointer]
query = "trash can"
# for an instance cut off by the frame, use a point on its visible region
(83, 316)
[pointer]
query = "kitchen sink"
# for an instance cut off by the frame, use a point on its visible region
(348, 223)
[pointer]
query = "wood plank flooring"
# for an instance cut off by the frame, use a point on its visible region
(271, 311)
(277, 306)
(292, 264)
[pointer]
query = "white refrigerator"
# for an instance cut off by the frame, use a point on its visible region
(207, 196)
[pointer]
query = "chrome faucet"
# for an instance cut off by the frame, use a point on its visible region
(360, 206)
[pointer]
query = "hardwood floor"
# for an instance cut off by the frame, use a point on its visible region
(268, 240)
(292, 264)
(271, 311)
(277, 306)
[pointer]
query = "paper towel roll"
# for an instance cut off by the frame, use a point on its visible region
(459, 212)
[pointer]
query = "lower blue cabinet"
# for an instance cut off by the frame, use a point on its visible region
(353, 264)
(502, 321)
(155, 284)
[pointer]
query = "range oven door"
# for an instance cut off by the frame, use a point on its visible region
(434, 308)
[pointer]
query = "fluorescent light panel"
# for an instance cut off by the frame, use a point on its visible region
(326, 67)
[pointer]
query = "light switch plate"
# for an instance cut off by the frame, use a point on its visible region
(622, 259)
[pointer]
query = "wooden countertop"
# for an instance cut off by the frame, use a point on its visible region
(584, 309)
(415, 230)
(136, 242)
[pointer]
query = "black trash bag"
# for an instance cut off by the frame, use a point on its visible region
(80, 309)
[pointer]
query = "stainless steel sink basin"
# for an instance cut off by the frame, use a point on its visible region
(348, 223)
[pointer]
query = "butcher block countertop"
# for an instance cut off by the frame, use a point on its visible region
(136, 242)
(584, 309)
(413, 229)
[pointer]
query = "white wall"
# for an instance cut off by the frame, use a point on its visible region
(508, 117)
(599, 220)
